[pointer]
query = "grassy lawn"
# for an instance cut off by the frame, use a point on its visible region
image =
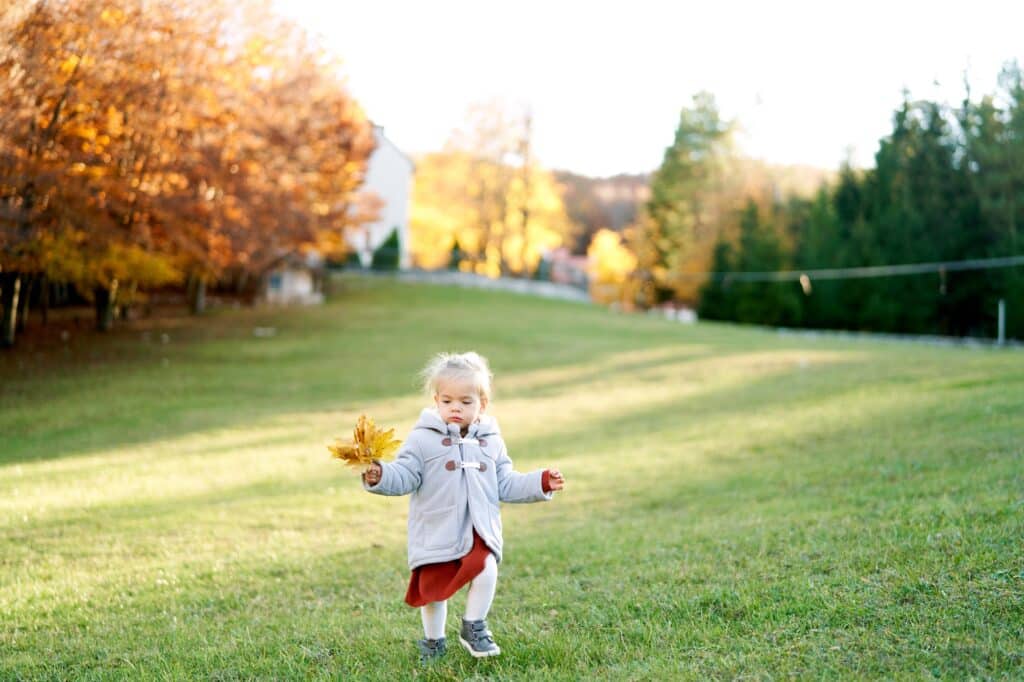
(740, 503)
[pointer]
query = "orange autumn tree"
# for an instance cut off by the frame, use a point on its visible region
(147, 142)
(88, 122)
(281, 173)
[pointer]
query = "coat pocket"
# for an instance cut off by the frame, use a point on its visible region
(437, 528)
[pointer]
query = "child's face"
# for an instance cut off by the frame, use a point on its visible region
(459, 402)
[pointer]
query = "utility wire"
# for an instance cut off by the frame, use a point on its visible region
(857, 273)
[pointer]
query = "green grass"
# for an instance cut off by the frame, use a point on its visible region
(740, 503)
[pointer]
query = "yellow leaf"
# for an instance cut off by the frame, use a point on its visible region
(69, 64)
(115, 121)
(112, 17)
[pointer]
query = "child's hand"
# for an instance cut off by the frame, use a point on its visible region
(555, 479)
(372, 474)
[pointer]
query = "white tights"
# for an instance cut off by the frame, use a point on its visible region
(478, 601)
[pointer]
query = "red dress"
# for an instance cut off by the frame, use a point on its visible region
(437, 582)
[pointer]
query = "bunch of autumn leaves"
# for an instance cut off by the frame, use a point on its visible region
(369, 442)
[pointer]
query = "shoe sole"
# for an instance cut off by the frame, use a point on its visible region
(479, 654)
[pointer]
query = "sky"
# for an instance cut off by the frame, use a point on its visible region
(808, 82)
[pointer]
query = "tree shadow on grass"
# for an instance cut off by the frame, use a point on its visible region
(213, 374)
(656, 418)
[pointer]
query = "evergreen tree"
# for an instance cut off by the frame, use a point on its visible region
(685, 212)
(386, 256)
(947, 185)
(715, 301)
(816, 245)
(760, 250)
(984, 163)
(1010, 240)
(456, 257)
(994, 142)
(915, 212)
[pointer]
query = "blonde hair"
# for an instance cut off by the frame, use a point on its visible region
(462, 366)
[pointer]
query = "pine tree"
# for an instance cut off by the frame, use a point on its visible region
(760, 250)
(1011, 239)
(816, 245)
(715, 296)
(686, 209)
(385, 256)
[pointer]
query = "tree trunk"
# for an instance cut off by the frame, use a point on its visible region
(197, 294)
(24, 298)
(10, 288)
(525, 207)
(105, 306)
(44, 298)
(249, 287)
(524, 250)
(124, 309)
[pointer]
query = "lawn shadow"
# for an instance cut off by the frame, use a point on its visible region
(131, 388)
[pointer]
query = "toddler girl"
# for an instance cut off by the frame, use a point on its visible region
(455, 465)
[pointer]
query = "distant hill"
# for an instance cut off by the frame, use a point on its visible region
(593, 203)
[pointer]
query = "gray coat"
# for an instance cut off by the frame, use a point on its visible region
(456, 484)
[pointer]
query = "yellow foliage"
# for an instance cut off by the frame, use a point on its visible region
(130, 263)
(369, 442)
(611, 262)
(86, 132)
(115, 121)
(112, 16)
(60, 255)
(68, 66)
(481, 205)
(66, 256)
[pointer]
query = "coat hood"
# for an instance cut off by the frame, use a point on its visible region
(486, 425)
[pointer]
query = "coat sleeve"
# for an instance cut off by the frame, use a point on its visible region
(516, 487)
(401, 476)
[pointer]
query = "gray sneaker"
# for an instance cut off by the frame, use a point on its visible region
(431, 649)
(478, 639)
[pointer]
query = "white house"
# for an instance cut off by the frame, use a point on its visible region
(389, 176)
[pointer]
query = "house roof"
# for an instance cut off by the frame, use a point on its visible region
(379, 130)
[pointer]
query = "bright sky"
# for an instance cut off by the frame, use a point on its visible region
(807, 81)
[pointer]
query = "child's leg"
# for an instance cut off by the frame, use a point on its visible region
(481, 591)
(434, 615)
